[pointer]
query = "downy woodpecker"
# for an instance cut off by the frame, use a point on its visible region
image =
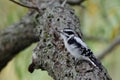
(76, 47)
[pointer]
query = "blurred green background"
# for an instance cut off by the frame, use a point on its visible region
(99, 18)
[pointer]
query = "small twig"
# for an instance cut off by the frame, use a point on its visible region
(23, 4)
(107, 51)
(30, 7)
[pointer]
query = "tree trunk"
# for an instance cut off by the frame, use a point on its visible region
(49, 54)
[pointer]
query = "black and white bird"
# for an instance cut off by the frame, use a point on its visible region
(76, 47)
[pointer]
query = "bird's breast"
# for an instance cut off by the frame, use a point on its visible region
(73, 50)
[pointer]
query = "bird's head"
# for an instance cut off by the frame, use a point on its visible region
(67, 33)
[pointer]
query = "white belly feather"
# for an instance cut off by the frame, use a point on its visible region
(73, 51)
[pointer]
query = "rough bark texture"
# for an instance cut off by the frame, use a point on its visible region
(50, 53)
(16, 38)
(18, 31)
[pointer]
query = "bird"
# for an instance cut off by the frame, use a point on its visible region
(77, 47)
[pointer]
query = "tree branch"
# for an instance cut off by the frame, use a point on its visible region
(26, 6)
(20, 4)
(50, 53)
(16, 38)
(107, 51)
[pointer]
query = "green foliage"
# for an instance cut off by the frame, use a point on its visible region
(10, 13)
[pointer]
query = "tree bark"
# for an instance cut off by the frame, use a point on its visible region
(16, 38)
(18, 31)
(49, 54)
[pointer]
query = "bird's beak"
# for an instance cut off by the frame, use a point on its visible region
(60, 31)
